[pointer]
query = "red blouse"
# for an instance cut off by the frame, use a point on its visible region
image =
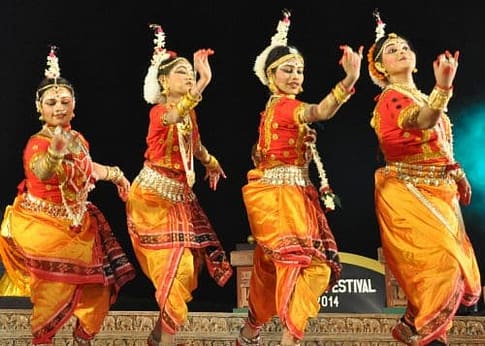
(400, 144)
(163, 147)
(281, 133)
(74, 175)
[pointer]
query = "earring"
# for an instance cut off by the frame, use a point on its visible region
(165, 88)
(381, 69)
(272, 87)
(39, 110)
(415, 70)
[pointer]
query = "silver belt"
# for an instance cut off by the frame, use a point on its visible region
(36, 205)
(286, 175)
(164, 186)
(420, 174)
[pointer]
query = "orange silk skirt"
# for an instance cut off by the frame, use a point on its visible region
(172, 241)
(65, 271)
(295, 260)
(428, 251)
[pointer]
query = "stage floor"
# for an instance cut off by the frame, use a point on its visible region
(220, 329)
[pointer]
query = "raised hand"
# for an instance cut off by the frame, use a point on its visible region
(201, 64)
(351, 63)
(61, 140)
(445, 67)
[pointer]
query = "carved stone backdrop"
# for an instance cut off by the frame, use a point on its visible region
(220, 329)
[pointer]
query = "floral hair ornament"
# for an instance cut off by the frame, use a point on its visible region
(376, 70)
(151, 87)
(52, 71)
(278, 39)
(380, 33)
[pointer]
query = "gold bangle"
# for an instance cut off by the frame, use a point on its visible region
(187, 103)
(206, 162)
(341, 94)
(439, 98)
(212, 163)
(113, 174)
(45, 165)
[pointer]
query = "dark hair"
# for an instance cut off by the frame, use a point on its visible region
(167, 65)
(278, 52)
(47, 83)
(380, 43)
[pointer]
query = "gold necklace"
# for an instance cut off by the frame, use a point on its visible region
(409, 90)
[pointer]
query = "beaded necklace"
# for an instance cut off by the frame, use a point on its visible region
(184, 132)
(78, 166)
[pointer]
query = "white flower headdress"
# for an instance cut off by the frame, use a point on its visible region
(53, 71)
(380, 32)
(151, 87)
(278, 39)
(377, 76)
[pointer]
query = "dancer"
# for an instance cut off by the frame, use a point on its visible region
(171, 234)
(418, 192)
(296, 258)
(56, 246)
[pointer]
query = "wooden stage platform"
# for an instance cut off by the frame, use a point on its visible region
(220, 329)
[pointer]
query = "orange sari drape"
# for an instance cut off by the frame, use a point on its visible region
(422, 232)
(171, 235)
(296, 257)
(57, 247)
(47, 260)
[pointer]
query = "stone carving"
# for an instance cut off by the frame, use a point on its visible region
(122, 328)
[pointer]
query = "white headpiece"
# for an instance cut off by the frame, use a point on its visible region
(53, 71)
(151, 87)
(377, 76)
(380, 33)
(278, 39)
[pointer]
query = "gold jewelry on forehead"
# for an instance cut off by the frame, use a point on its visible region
(57, 91)
(292, 63)
(55, 86)
(390, 37)
(284, 59)
(178, 59)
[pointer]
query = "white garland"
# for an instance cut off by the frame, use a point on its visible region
(326, 193)
(278, 39)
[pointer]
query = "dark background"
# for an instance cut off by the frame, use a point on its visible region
(105, 49)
